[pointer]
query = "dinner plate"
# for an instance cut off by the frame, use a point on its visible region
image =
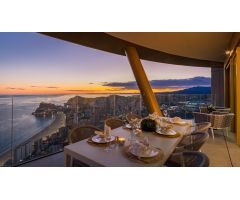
(149, 153)
(102, 140)
(128, 126)
(170, 132)
(178, 123)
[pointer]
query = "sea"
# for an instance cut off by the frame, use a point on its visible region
(26, 125)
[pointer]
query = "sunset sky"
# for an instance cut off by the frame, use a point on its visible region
(32, 63)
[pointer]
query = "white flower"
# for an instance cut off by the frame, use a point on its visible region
(153, 116)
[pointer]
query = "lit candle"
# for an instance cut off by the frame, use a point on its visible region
(121, 140)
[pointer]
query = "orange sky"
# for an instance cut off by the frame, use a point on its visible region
(19, 89)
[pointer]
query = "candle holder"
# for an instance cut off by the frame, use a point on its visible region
(121, 141)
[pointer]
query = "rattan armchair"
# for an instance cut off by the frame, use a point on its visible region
(203, 109)
(131, 116)
(82, 132)
(223, 109)
(202, 127)
(221, 122)
(114, 123)
(219, 113)
(192, 142)
(188, 159)
(201, 117)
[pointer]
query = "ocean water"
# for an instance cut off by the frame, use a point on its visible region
(25, 125)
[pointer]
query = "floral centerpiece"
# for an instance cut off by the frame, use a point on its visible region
(210, 108)
(149, 124)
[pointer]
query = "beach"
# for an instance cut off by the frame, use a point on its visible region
(58, 122)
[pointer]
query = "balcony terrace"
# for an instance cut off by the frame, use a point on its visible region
(201, 50)
(222, 152)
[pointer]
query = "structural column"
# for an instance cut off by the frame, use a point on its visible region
(217, 83)
(237, 96)
(142, 81)
(227, 86)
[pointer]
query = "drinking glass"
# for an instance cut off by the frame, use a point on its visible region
(135, 124)
(165, 113)
(107, 134)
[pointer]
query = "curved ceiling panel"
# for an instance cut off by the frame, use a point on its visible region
(146, 51)
(203, 46)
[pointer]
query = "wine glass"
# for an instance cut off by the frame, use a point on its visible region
(108, 137)
(166, 114)
(135, 124)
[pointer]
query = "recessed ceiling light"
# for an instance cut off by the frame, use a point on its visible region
(228, 52)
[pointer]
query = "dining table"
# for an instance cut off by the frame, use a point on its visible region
(92, 155)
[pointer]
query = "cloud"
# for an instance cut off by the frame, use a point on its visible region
(34, 86)
(90, 83)
(77, 90)
(49, 87)
(52, 87)
(11, 88)
(168, 83)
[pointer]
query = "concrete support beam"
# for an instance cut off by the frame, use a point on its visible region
(142, 81)
(217, 82)
(237, 96)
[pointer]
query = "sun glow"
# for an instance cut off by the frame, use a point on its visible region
(69, 89)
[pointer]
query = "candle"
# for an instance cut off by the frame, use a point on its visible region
(121, 140)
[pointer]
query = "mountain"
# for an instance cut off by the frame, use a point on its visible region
(195, 90)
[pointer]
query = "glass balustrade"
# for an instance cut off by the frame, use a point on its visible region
(32, 127)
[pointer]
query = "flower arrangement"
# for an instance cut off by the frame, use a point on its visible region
(210, 108)
(149, 124)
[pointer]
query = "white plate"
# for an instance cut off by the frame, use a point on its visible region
(178, 123)
(151, 152)
(169, 132)
(128, 126)
(101, 140)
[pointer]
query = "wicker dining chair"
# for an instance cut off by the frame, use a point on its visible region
(221, 122)
(114, 123)
(202, 127)
(188, 159)
(131, 116)
(82, 132)
(223, 109)
(203, 109)
(201, 117)
(192, 142)
(219, 113)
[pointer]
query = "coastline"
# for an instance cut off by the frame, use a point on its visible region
(52, 128)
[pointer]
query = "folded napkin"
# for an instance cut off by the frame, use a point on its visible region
(154, 116)
(100, 133)
(143, 160)
(177, 120)
(138, 148)
(168, 131)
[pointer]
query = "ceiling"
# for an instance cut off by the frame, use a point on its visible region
(199, 45)
(203, 49)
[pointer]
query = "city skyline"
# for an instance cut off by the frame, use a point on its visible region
(32, 63)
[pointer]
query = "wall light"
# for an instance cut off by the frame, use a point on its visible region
(228, 52)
